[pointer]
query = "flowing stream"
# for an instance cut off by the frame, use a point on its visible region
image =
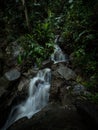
(58, 55)
(38, 96)
(38, 93)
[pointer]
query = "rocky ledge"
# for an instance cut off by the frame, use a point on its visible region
(65, 111)
(52, 117)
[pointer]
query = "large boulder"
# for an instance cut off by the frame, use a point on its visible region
(12, 75)
(62, 79)
(8, 80)
(55, 90)
(22, 90)
(52, 117)
(66, 72)
(24, 84)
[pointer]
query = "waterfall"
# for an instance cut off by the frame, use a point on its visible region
(38, 92)
(58, 55)
(38, 96)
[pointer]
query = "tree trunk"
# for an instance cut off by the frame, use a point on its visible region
(26, 13)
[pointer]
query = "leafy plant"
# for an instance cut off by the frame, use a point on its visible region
(33, 49)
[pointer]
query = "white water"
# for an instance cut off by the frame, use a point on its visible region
(38, 96)
(38, 92)
(58, 55)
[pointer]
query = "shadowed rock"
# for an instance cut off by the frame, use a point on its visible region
(66, 72)
(8, 85)
(52, 117)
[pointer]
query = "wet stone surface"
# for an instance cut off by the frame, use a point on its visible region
(12, 75)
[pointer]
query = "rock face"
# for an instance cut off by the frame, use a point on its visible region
(62, 78)
(66, 72)
(22, 90)
(53, 117)
(23, 85)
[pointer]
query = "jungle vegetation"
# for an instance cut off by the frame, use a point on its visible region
(34, 24)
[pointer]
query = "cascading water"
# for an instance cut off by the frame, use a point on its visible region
(38, 96)
(58, 55)
(38, 93)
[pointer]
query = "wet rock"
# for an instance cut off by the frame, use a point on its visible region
(55, 90)
(66, 72)
(23, 85)
(88, 112)
(59, 84)
(54, 67)
(8, 80)
(78, 89)
(31, 72)
(22, 92)
(47, 64)
(52, 117)
(12, 75)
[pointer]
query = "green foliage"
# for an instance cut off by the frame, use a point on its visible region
(92, 83)
(93, 97)
(42, 32)
(38, 45)
(80, 33)
(75, 20)
(19, 60)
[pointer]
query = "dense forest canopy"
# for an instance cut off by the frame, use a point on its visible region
(34, 24)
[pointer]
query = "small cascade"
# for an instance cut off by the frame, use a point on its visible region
(38, 96)
(58, 55)
(38, 92)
